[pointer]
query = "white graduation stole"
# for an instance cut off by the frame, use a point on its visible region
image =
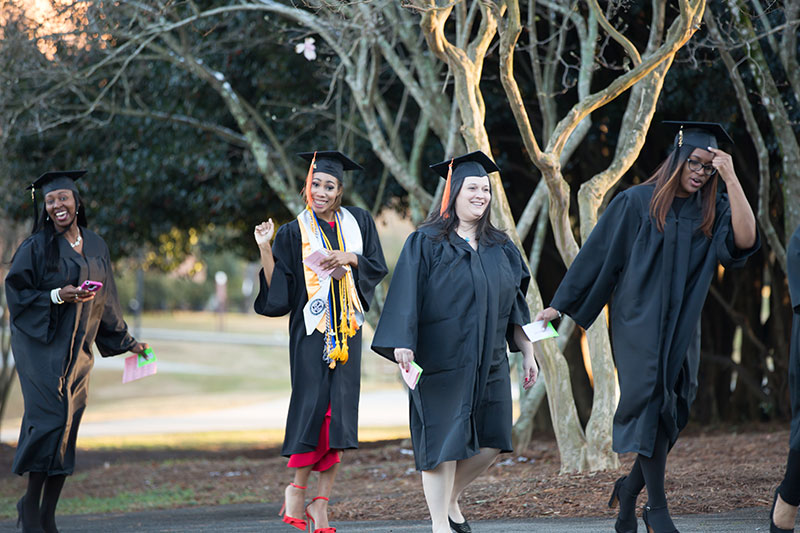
(316, 311)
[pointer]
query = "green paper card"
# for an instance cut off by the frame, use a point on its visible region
(150, 358)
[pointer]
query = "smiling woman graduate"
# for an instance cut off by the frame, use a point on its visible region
(324, 326)
(456, 301)
(53, 326)
(653, 253)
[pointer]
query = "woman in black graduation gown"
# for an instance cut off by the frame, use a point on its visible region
(655, 249)
(457, 297)
(53, 326)
(787, 495)
(324, 326)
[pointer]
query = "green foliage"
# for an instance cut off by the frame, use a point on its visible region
(153, 180)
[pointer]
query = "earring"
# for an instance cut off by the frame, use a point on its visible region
(47, 217)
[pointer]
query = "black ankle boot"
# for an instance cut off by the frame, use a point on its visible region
(26, 526)
(626, 518)
(657, 520)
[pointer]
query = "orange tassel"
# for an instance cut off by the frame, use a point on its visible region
(446, 193)
(308, 180)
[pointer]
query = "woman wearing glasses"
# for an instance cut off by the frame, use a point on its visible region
(655, 249)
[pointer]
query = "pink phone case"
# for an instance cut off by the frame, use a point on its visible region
(90, 285)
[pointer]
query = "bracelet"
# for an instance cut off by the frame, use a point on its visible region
(559, 313)
(55, 297)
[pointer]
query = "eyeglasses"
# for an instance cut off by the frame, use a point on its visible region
(697, 166)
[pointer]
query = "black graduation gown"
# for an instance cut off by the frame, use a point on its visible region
(52, 345)
(659, 281)
(793, 267)
(314, 385)
(455, 308)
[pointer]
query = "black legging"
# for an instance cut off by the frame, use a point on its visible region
(43, 514)
(790, 486)
(650, 471)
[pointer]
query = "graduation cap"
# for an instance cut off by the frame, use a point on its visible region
(456, 169)
(55, 180)
(698, 134)
(330, 162)
(52, 181)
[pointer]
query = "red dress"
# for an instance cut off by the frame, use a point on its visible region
(322, 457)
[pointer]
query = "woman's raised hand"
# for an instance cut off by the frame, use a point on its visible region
(404, 357)
(264, 232)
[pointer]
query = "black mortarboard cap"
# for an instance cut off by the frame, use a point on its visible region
(698, 134)
(57, 179)
(455, 170)
(472, 164)
(331, 162)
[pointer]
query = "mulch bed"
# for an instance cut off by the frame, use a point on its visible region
(707, 472)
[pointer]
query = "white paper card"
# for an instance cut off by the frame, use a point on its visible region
(537, 331)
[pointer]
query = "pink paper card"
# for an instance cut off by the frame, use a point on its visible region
(136, 369)
(411, 376)
(315, 258)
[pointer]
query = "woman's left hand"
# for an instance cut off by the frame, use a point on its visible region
(530, 371)
(139, 347)
(337, 258)
(723, 162)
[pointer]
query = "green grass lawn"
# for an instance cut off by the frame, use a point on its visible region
(216, 375)
(207, 321)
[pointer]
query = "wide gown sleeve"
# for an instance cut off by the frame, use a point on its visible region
(371, 263)
(520, 314)
(112, 337)
(728, 254)
(275, 299)
(29, 306)
(793, 264)
(398, 326)
(588, 284)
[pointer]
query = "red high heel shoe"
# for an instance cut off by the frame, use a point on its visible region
(314, 522)
(299, 523)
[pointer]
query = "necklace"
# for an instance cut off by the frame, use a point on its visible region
(466, 238)
(77, 241)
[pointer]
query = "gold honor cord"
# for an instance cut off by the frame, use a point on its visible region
(347, 326)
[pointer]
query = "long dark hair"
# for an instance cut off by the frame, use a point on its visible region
(45, 226)
(486, 233)
(667, 179)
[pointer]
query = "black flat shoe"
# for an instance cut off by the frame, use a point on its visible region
(657, 514)
(772, 527)
(629, 525)
(463, 527)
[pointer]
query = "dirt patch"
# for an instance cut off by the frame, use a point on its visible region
(707, 472)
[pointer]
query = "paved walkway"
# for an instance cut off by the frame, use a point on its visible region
(262, 518)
